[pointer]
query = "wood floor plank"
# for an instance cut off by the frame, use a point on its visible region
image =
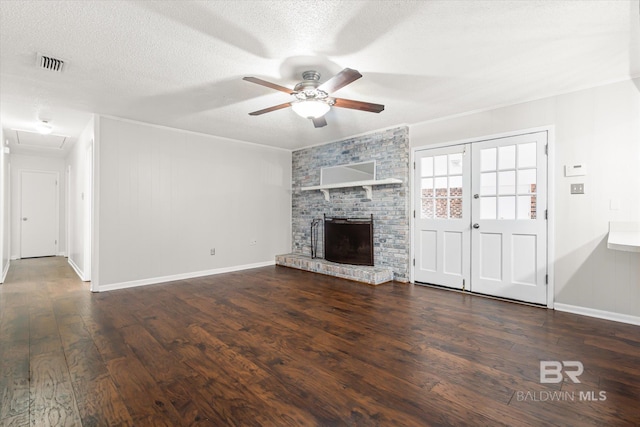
(276, 346)
(100, 404)
(163, 365)
(53, 404)
(140, 393)
(21, 420)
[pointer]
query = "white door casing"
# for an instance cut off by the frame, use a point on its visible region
(38, 214)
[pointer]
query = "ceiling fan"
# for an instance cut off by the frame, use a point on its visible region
(313, 100)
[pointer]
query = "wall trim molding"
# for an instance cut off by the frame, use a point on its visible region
(600, 314)
(77, 269)
(192, 132)
(182, 276)
(5, 271)
(532, 99)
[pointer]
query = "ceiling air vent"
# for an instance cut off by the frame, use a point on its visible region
(50, 63)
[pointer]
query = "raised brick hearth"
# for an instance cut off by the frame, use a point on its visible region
(359, 273)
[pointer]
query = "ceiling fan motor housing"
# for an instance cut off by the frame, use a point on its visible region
(308, 88)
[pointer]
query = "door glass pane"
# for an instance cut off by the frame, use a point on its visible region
(426, 211)
(455, 186)
(507, 157)
(507, 207)
(534, 210)
(487, 208)
(440, 165)
(455, 164)
(427, 187)
(526, 181)
(488, 159)
(426, 166)
(441, 208)
(441, 187)
(488, 183)
(455, 208)
(527, 155)
(526, 207)
(507, 182)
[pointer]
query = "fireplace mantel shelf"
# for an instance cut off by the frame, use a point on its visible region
(367, 185)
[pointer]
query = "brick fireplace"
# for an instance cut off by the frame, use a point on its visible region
(389, 204)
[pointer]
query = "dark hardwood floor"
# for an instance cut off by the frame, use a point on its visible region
(275, 347)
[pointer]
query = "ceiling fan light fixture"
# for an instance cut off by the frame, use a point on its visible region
(310, 108)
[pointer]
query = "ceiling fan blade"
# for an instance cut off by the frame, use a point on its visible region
(270, 109)
(358, 105)
(340, 80)
(319, 122)
(268, 84)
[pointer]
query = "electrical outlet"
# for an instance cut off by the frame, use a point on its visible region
(577, 188)
(253, 242)
(213, 251)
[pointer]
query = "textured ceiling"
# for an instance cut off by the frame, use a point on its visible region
(181, 63)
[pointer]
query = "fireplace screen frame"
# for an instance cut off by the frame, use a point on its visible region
(336, 228)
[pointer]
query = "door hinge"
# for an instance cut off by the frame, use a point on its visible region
(546, 214)
(546, 279)
(414, 165)
(414, 213)
(463, 284)
(546, 149)
(414, 262)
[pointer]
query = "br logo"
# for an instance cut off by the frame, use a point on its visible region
(551, 371)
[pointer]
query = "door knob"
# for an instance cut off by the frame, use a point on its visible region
(476, 196)
(25, 218)
(476, 225)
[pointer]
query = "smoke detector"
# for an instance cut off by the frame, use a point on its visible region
(49, 63)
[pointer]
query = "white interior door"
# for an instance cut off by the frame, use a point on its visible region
(442, 216)
(480, 217)
(509, 231)
(39, 214)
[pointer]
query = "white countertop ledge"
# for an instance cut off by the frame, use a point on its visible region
(624, 236)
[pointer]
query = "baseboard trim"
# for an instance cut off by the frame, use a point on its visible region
(600, 314)
(5, 271)
(79, 272)
(183, 276)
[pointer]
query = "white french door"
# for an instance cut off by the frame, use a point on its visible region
(509, 231)
(490, 235)
(442, 216)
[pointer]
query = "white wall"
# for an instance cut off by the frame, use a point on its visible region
(599, 127)
(22, 162)
(4, 209)
(167, 197)
(79, 198)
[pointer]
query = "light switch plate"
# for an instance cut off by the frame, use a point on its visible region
(577, 188)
